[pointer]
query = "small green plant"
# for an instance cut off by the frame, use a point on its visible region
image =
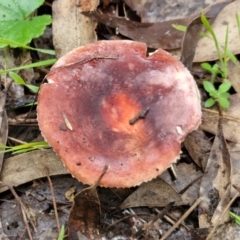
(221, 95)
(18, 22)
(235, 217)
(61, 234)
(23, 148)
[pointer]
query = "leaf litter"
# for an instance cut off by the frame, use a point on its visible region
(213, 153)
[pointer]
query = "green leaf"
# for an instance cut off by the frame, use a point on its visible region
(17, 78)
(232, 57)
(61, 234)
(235, 217)
(208, 86)
(16, 23)
(179, 27)
(215, 69)
(207, 66)
(214, 94)
(20, 81)
(209, 103)
(224, 95)
(224, 87)
(224, 102)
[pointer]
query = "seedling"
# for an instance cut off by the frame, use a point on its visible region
(224, 55)
(221, 95)
(235, 217)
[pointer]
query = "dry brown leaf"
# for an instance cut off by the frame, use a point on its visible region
(3, 124)
(84, 218)
(85, 215)
(155, 35)
(156, 193)
(214, 186)
(164, 10)
(234, 151)
(29, 166)
(189, 43)
(71, 29)
(233, 75)
(206, 50)
(231, 120)
(199, 147)
(188, 181)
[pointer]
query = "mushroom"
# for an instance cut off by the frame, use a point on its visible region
(107, 103)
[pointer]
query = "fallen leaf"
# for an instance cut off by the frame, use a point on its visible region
(199, 147)
(231, 120)
(72, 29)
(206, 50)
(214, 186)
(26, 167)
(84, 218)
(233, 75)
(234, 151)
(155, 35)
(187, 182)
(156, 193)
(189, 42)
(159, 11)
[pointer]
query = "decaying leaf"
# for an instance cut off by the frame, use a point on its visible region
(84, 218)
(3, 124)
(164, 10)
(189, 42)
(156, 193)
(231, 120)
(206, 50)
(155, 35)
(234, 151)
(233, 75)
(215, 183)
(29, 166)
(71, 29)
(199, 147)
(187, 182)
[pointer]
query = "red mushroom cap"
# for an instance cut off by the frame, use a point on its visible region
(107, 103)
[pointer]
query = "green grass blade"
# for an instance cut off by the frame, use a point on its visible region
(10, 42)
(238, 23)
(32, 65)
(61, 234)
(210, 30)
(179, 27)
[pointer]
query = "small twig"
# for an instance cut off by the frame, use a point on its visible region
(86, 60)
(53, 199)
(23, 207)
(26, 223)
(142, 114)
(185, 215)
(16, 140)
(160, 215)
